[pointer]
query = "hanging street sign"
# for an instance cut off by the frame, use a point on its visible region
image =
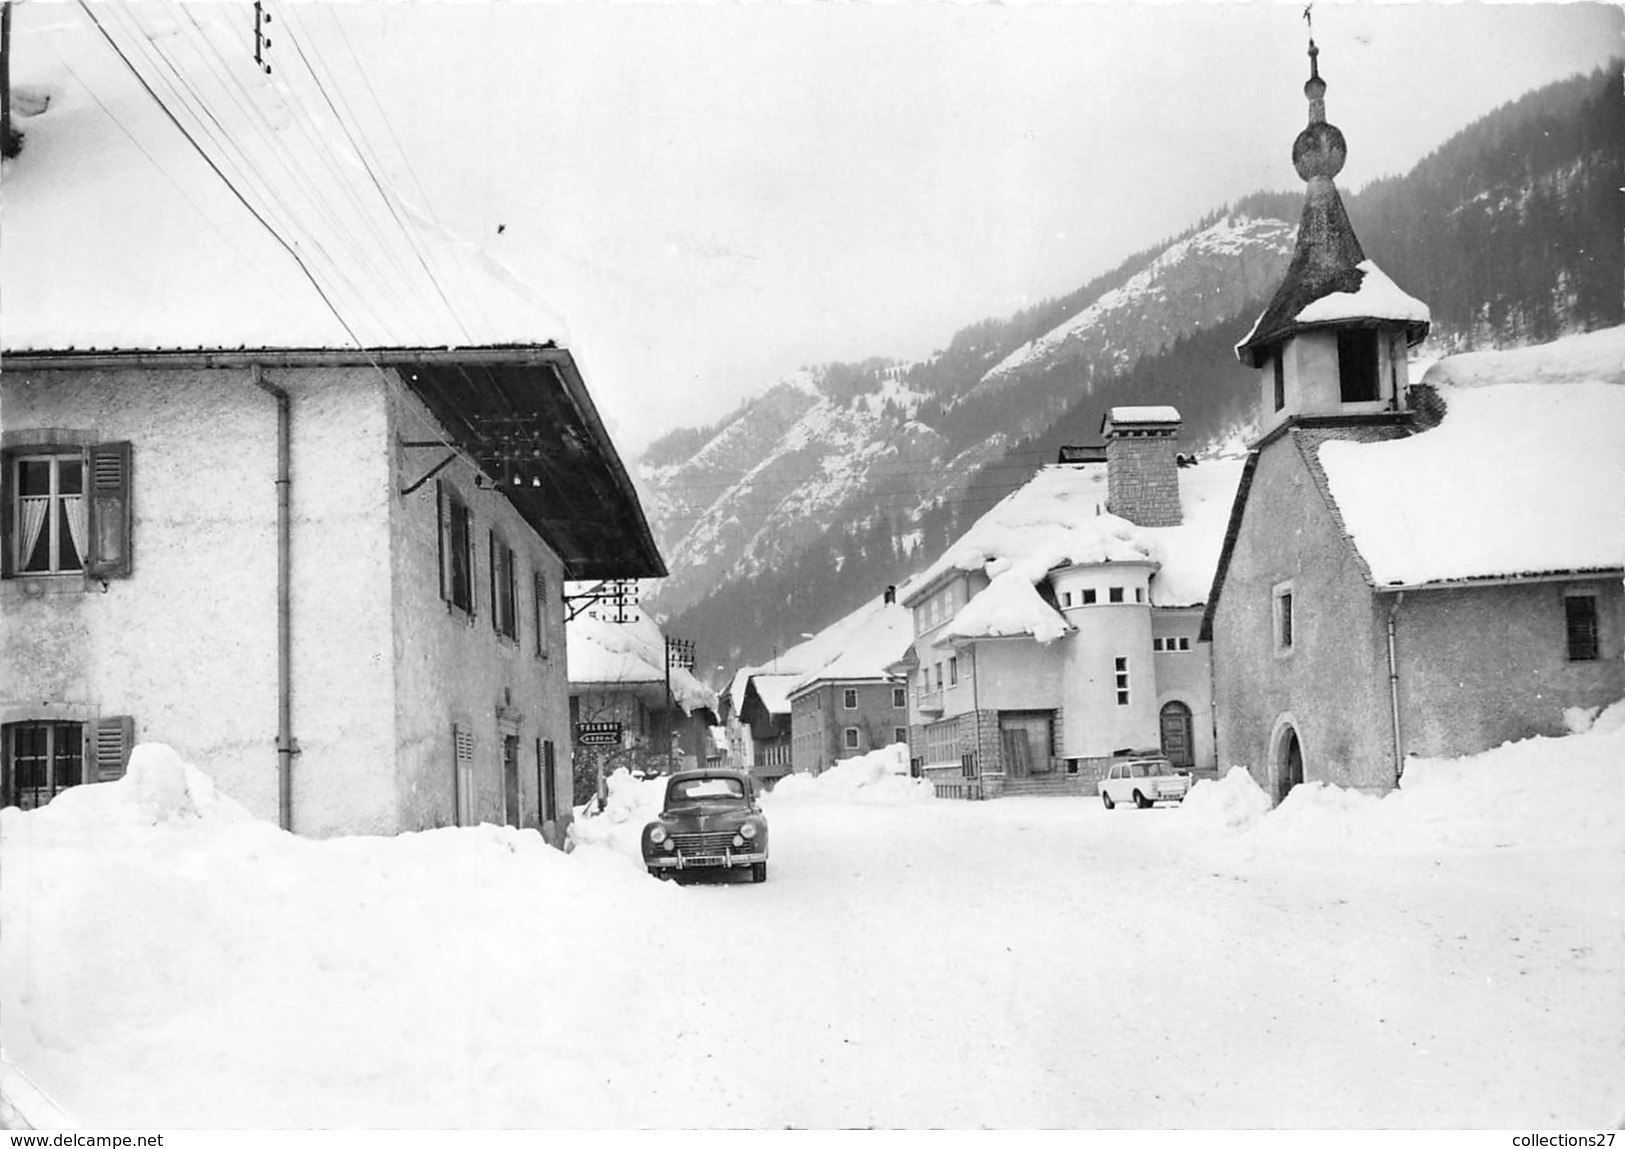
(598, 733)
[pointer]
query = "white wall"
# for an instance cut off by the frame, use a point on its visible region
(187, 643)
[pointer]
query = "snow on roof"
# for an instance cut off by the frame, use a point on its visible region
(858, 647)
(1144, 415)
(774, 690)
(119, 235)
(1377, 298)
(1059, 518)
(600, 652)
(1524, 475)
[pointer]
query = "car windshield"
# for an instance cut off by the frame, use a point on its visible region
(705, 790)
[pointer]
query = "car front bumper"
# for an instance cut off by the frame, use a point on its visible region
(725, 861)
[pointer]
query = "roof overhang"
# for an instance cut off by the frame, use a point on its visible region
(1503, 580)
(521, 414)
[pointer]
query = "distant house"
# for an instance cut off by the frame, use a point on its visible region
(852, 702)
(1060, 631)
(1410, 570)
(759, 731)
(619, 674)
(317, 544)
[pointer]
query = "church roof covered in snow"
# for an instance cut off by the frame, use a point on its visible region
(1523, 476)
(1059, 519)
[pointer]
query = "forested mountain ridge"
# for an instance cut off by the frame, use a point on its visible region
(797, 507)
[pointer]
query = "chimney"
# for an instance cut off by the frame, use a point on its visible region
(891, 595)
(1142, 471)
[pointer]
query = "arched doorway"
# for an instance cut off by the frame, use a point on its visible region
(1177, 741)
(1288, 763)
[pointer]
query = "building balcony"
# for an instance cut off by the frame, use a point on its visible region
(928, 701)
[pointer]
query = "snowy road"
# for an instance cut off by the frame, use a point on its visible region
(1041, 962)
(1451, 956)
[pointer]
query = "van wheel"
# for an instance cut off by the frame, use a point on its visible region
(1107, 800)
(1140, 800)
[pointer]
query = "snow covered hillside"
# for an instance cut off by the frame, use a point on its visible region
(1341, 961)
(1195, 282)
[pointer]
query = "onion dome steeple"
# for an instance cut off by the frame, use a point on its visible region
(1328, 259)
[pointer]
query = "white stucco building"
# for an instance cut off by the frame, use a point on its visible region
(287, 480)
(1061, 629)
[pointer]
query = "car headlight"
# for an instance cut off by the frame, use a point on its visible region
(738, 841)
(748, 831)
(657, 833)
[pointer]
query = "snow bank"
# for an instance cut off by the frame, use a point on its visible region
(1231, 803)
(879, 777)
(1539, 792)
(629, 805)
(236, 975)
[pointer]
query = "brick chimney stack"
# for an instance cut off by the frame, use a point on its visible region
(1142, 469)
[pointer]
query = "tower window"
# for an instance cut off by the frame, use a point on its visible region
(1280, 379)
(1357, 365)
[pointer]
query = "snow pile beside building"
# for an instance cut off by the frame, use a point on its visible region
(879, 778)
(629, 805)
(167, 960)
(1231, 803)
(1535, 794)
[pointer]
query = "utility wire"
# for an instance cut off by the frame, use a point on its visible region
(361, 154)
(85, 7)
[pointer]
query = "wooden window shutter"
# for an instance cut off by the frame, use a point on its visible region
(108, 486)
(108, 747)
(442, 528)
(491, 543)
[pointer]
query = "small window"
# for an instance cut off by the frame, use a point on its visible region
(42, 759)
(456, 550)
(1066, 598)
(850, 735)
(849, 699)
(504, 616)
(1115, 594)
(1283, 619)
(1580, 615)
(1088, 597)
(1121, 672)
(1139, 594)
(1357, 365)
(1279, 369)
(899, 698)
(899, 734)
(939, 676)
(953, 672)
(1184, 643)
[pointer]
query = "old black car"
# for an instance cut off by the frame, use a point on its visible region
(710, 821)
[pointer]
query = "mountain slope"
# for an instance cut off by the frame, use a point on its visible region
(852, 472)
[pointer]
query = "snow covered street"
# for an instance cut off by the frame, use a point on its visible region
(1449, 956)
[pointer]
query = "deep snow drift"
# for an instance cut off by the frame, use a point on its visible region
(1448, 955)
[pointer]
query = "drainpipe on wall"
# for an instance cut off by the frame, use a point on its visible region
(1393, 689)
(285, 747)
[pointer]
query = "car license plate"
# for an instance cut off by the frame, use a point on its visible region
(705, 860)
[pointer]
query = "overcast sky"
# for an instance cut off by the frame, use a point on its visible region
(716, 194)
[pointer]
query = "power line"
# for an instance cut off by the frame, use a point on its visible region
(85, 7)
